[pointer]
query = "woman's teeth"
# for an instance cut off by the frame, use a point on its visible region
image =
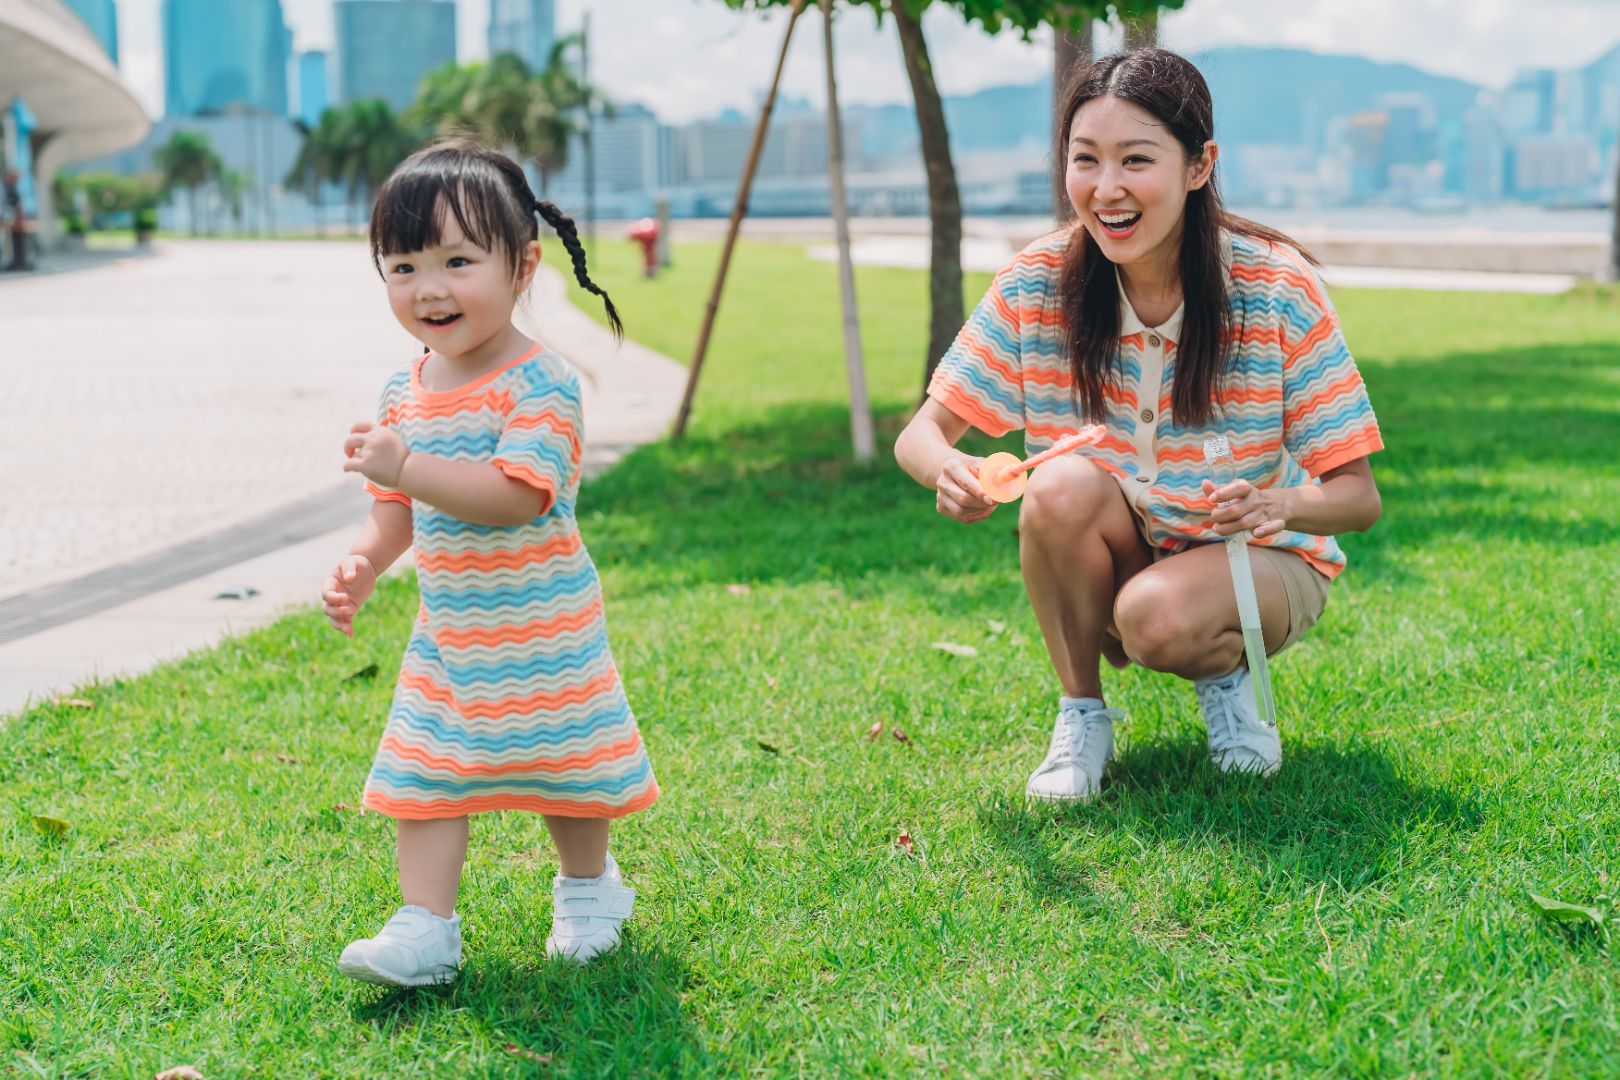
(1119, 222)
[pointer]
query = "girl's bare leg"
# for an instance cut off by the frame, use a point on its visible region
(431, 855)
(582, 844)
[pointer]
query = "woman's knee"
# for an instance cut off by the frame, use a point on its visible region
(1154, 626)
(1066, 493)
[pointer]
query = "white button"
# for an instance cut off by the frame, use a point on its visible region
(1147, 416)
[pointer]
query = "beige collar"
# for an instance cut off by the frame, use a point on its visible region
(1170, 329)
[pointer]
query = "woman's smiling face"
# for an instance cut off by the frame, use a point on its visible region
(1128, 179)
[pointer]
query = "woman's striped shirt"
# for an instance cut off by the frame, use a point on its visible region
(508, 697)
(1292, 403)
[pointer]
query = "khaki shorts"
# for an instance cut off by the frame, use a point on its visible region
(1306, 586)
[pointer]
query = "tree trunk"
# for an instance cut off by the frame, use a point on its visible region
(1071, 54)
(1143, 32)
(738, 209)
(860, 408)
(944, 199)
(1614, 241)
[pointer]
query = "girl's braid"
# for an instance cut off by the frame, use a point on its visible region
(570, 238)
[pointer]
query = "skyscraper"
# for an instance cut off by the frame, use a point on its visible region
(101, 16)
(218, 54)
(384, 47)
(312, 93)
(525, 27)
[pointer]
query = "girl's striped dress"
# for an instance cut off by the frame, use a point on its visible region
(508, 698)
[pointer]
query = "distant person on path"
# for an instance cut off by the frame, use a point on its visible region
(1166, 319)
(508, 697)
(17, 224)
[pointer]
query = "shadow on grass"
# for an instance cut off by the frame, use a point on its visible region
(1475, 441)
(1332, 815)
(562, 1017)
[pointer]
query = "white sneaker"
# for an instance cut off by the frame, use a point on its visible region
(1082, 743)
(587, 913)
(415, 948)
(1238, 740)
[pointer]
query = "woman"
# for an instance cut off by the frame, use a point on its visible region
(1165, 318)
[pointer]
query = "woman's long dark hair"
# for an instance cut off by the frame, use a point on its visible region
(490, 198)
(1173, 90)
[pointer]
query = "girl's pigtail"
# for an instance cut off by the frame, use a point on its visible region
(564, 225)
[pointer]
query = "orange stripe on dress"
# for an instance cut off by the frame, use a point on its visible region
(612, 752)
(952, 397)
(520, 633)
(423, 809)
(486, 709)
(456, 561)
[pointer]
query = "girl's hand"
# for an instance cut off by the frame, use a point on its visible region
(346, 588)
(1262, 511)
(957, 492)
(377, 453)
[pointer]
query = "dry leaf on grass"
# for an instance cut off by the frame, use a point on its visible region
(899, 735)
(770, 681)
(996, 626)
(956, 650)
(343, 806)
(51, 826)
(874, 731)
(767, 747)
(737, 589)
(288, 759)
(78, 703)
(527, 1054)
(180, 1072)
(903, 842)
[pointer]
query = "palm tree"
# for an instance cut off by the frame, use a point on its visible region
(188, 160)
(319, 161)
(232, 184)
(370, 141)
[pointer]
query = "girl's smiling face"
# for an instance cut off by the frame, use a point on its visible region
(1128, 179)
(456, 297)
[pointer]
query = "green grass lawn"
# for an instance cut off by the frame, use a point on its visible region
(1449, 731)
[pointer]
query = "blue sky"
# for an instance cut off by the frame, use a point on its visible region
(691, 58)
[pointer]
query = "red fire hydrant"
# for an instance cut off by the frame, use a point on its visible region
(645, 232)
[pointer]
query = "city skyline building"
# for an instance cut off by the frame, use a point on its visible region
(527, 28)
(101, 16)
(313, 95)
(219, 55)
(385, 47)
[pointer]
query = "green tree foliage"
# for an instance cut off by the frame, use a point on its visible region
(189, 161)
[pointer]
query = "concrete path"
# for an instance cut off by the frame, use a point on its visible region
(171, 432)
(991, 253)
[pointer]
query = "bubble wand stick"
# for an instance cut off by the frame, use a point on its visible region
(1001, 475)
(1218, 455)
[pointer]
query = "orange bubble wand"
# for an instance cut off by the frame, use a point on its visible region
(1001, 475)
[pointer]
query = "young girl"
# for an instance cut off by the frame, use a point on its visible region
(1166, 319)
(508, 698)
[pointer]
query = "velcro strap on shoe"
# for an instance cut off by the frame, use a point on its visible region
(605, 901)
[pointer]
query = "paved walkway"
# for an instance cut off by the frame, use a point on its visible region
(171, 430)
(989, 253)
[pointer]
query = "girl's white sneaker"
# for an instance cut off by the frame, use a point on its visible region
(415, 948)
(587, 913)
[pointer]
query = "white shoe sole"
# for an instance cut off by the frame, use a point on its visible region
(364, 972)
(581, 952)
(1035, 796)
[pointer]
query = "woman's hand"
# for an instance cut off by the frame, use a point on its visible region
(957, 492)
(346, 588)
(1262, 511)
(377, 453)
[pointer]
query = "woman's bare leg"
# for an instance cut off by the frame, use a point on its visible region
(1078, 543)
(1180, 615)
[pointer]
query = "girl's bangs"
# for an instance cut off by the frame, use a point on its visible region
(414, 206)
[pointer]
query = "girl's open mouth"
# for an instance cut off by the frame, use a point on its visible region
(1121, 224)
(442, 321)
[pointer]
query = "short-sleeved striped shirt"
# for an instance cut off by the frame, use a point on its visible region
(1292, 402)
(508, 697)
